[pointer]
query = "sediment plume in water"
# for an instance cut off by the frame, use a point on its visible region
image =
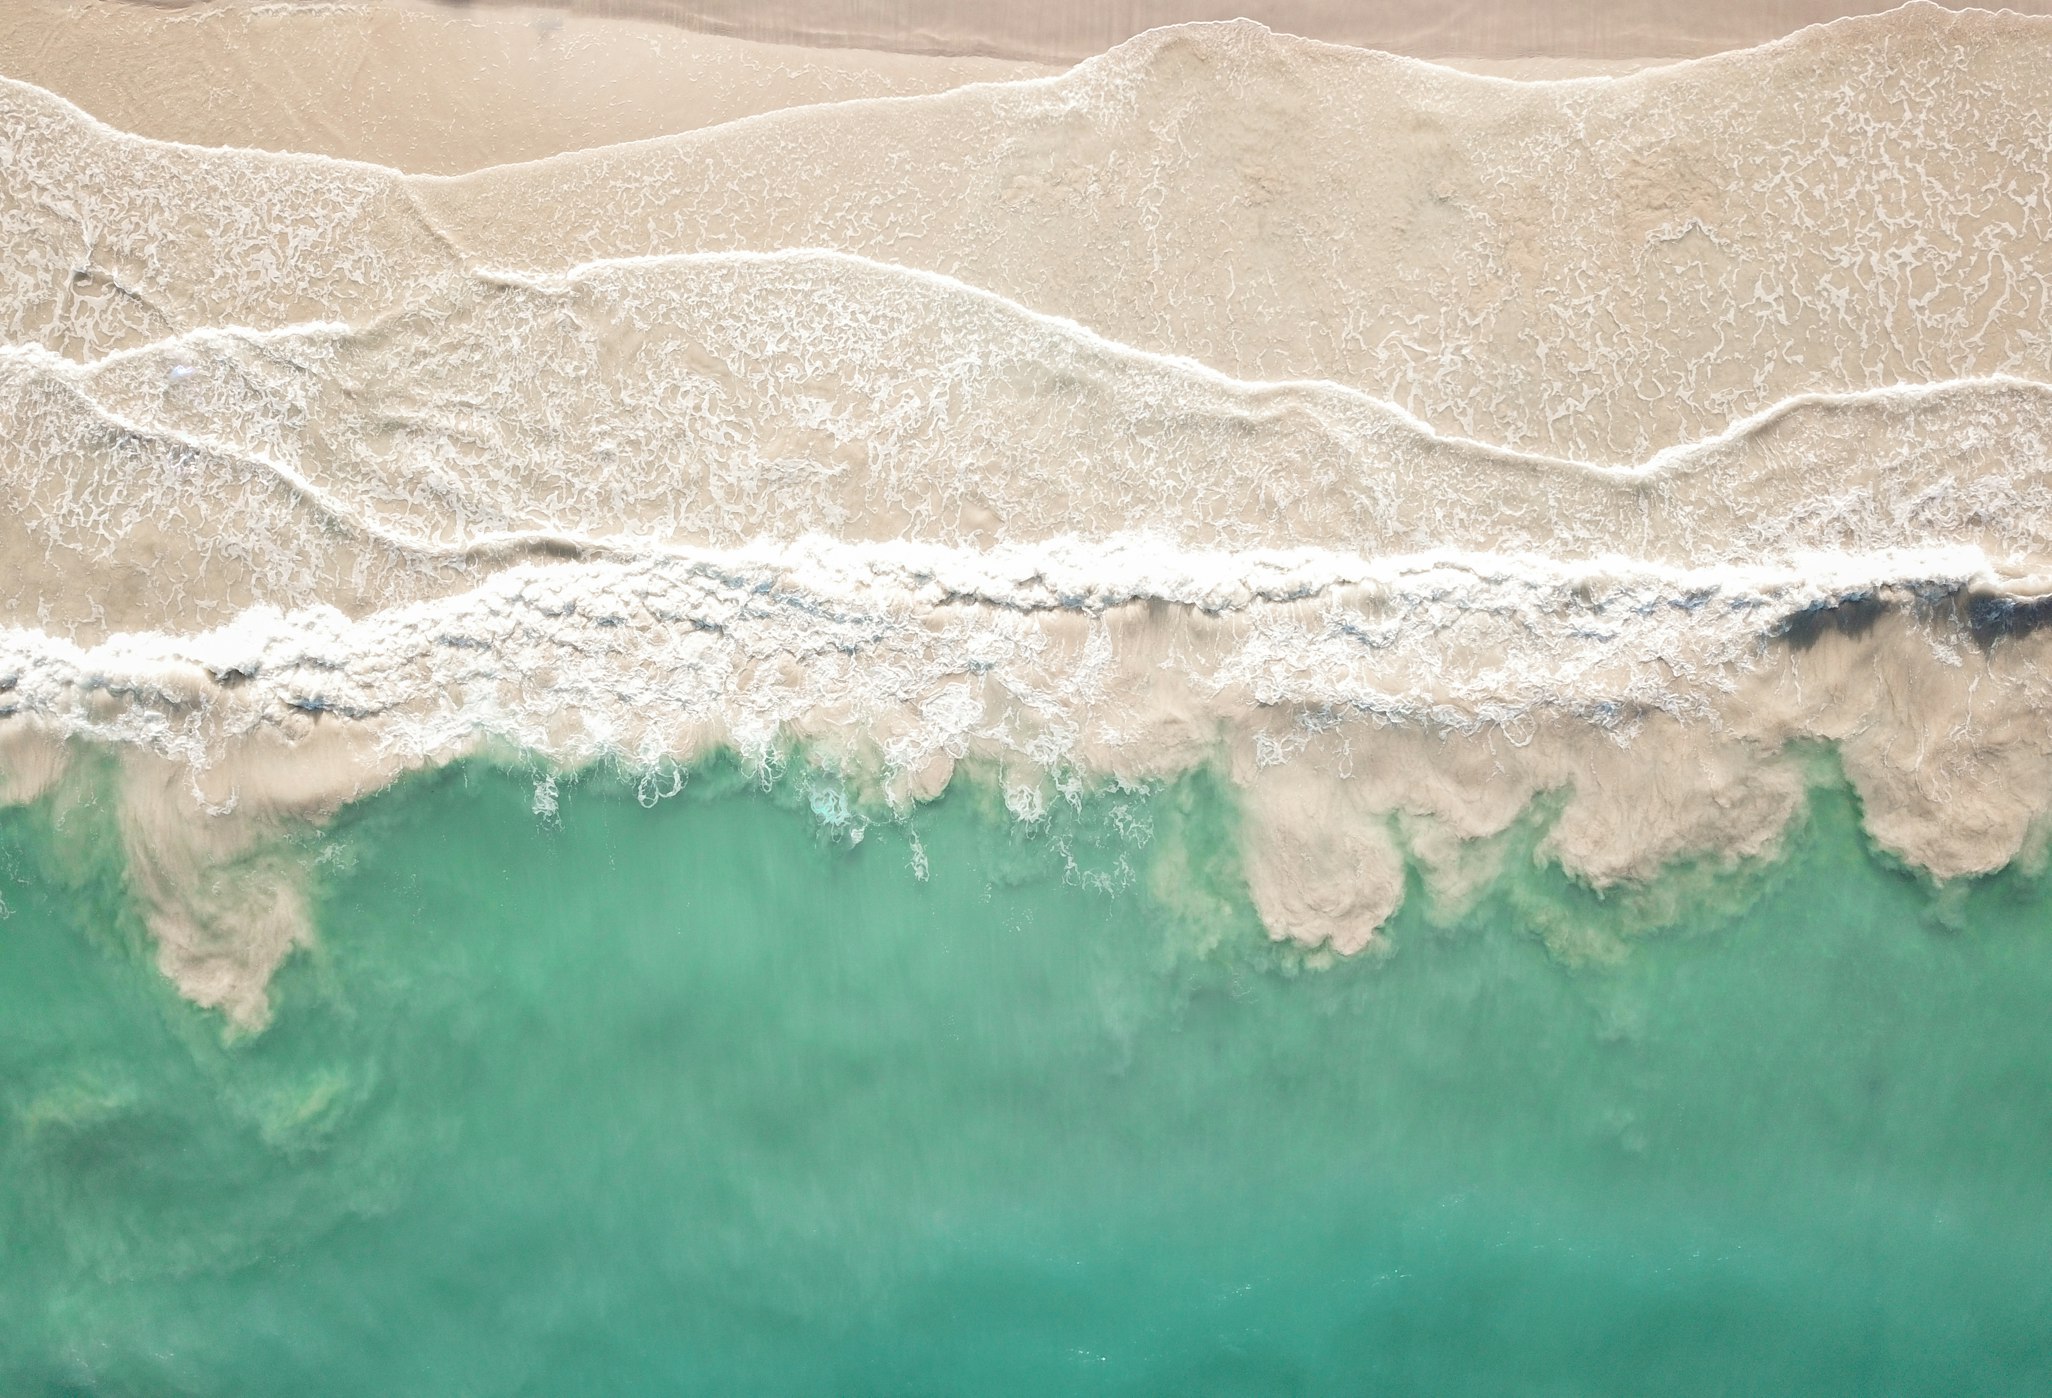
(1409, 444)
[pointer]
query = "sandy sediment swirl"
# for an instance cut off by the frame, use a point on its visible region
(1413, 445)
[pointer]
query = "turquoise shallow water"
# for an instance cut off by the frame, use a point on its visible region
(705, 1099)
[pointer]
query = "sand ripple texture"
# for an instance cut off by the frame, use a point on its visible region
(1411, 444)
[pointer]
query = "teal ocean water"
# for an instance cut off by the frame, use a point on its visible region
(709, 1098)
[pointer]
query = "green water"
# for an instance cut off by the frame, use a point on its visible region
(702, 1099)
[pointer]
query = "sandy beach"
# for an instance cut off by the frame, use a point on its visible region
(866, 698)
(424, 88)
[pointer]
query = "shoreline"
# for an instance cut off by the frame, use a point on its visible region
(223, 743)
(1411, 497)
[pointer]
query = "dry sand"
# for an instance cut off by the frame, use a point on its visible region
(425, 88)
